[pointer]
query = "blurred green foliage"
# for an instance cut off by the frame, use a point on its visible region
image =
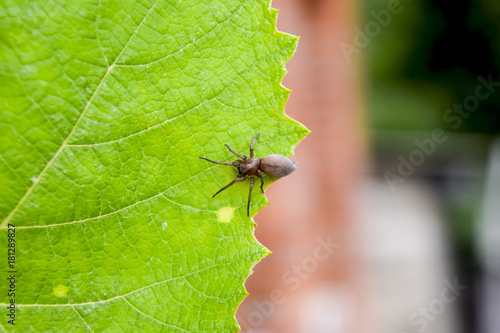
(427, 58)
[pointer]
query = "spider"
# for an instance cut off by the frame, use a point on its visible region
(273, 165)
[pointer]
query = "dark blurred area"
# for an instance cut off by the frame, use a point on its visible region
(428, 61)
(436, 50)
(392, 222)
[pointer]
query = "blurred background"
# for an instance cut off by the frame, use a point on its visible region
(392, 222)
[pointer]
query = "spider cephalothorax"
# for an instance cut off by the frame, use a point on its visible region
(274, 165)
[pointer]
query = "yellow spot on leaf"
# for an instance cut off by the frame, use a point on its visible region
(60, 290)
(225, 214)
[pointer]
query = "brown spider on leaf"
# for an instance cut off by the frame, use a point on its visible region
(273, 165)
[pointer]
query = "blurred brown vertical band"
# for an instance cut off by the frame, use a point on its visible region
(313, 205)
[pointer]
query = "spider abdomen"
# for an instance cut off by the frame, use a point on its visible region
(277, 165)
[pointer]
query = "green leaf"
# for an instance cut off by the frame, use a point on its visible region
(105, 108)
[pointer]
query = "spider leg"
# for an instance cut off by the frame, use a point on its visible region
(259, 173)
(237, 179)
(235, 153)
(251, 145)
(252, 180)
(217, 162)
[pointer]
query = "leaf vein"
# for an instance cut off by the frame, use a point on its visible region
(97, 33)
(65, 142)
(145, 314)
(189, 44)
(215, 97)
(79, 315)
(116, 211)
(126, 294)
